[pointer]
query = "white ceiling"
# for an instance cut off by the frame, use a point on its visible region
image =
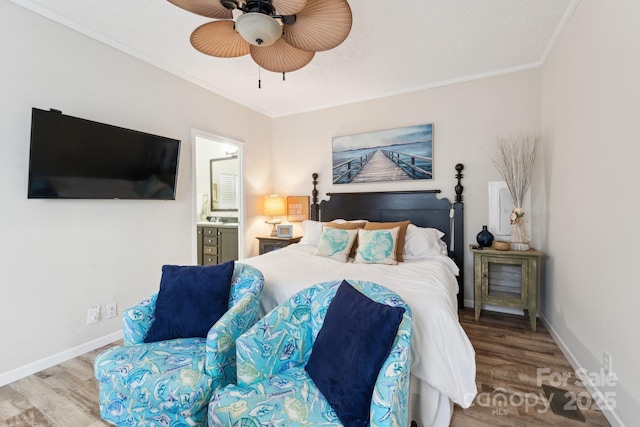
(394, 47)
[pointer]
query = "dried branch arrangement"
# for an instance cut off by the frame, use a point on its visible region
(514, 160)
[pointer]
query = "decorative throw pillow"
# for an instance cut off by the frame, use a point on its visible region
(348, 225)
(335, 243)
(423, 243)
(311, 231)
(190, 301)
(377, 246)
(351, 221)
(401, 233)
(352, 345)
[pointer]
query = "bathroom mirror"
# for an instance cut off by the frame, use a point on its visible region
(224, 175)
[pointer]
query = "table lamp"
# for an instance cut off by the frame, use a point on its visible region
(274, 206)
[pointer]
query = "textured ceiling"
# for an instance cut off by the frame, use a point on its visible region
(415, 45)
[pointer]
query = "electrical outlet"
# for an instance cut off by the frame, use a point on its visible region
(607, 363)
(112, 310)
(93, 314)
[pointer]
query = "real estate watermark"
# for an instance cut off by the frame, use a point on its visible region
(500, 400)
(583, 378)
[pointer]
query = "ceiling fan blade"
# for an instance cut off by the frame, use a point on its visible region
(288, 7)
(321, 25)
(220, 39)
(280, 57)
(208, 8)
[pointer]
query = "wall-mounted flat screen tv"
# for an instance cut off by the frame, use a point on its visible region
(74, 158)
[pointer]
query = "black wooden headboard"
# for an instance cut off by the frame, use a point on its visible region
(423, 208)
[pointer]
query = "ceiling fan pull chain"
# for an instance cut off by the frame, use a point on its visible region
(283, 79)
(259, 79)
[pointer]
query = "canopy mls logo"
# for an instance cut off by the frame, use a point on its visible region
(500, 401)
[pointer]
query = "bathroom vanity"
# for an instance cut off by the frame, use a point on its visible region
(217, 242)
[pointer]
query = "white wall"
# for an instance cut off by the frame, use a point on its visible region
(466, 117)
(589, 185)
(59, 257)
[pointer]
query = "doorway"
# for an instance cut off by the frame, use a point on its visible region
(219, 185)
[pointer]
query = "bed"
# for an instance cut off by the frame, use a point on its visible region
(443, 360)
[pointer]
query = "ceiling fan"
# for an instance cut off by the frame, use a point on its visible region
(281, 35)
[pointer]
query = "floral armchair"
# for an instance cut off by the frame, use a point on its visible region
(170, 382)
(274, 386)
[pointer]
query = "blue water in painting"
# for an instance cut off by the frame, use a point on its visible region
(423, 149)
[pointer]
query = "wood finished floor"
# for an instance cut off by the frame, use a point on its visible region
(508, 355)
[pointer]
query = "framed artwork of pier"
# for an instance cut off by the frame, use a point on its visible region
(388, 155)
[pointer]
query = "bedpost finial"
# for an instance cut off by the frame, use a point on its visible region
(314, 192)
(315, 208)
(459, 188)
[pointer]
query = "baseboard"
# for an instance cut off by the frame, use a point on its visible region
(609, 414)
(63, 356)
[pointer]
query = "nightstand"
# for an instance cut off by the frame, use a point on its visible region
(269, 243)
(507, 279)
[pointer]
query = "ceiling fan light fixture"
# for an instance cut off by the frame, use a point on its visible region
(229, 4)
(281, 35)
(258, 29)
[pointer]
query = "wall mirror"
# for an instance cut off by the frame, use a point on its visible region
(224, 183)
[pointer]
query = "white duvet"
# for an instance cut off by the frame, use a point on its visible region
(441, 353)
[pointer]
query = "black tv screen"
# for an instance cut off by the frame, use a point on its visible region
(74, 158)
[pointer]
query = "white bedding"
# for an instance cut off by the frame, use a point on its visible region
(442, 356)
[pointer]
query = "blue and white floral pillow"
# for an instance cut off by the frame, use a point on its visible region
(335, 243)
(377, 246)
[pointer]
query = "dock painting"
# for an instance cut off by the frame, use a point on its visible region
(388, 155)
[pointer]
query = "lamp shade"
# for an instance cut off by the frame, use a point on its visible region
(258, 29)
(274, 205)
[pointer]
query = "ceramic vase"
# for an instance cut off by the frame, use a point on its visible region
(484, 238)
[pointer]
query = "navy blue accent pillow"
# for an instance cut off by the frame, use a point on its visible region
(191, 299)
(352, 345)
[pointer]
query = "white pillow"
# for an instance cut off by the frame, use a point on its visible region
(354, 221)
(311, 231)
(443, 248)
(377, 246)
(335, 243)
(422, 243)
